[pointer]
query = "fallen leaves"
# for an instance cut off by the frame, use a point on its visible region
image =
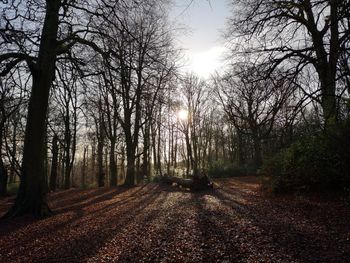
(156, 223)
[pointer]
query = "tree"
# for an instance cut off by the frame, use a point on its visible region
(252, 103)
(298, 34)
(27, 36)
(65, 95)
(54, 163)
(193, 92)
(11, 98)
(31, 197)
(139, 51)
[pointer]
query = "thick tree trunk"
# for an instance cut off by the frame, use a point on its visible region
(130, 167)
(54, 163)
(32, 194)
(3, 179)
(329, 104)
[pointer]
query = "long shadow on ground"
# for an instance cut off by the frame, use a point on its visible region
(157, 223)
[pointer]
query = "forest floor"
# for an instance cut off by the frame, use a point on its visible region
(234, 222)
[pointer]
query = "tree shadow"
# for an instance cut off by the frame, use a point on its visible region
(159, 223)
(109, 222)
(75, 209)
(292, 238)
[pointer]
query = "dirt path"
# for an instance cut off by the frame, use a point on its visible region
(155, 223)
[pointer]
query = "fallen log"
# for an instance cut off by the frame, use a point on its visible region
(197, 183)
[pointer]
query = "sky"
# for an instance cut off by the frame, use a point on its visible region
(202, 40)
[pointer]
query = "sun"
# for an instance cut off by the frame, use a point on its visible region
(182, 115)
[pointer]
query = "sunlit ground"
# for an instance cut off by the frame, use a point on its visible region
(158, 223)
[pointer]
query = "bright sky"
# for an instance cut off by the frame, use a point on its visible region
(202, 42)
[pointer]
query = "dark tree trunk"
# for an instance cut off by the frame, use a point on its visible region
(146, 157)
(159, 160)
(194, 152)
(122, 165)
(100, 173)
(3, 171)
(46, 161)
(130, 166)
(54, 163)
(191, 161)
(139, 176)
(329, 104)
(14, 151)
(175, 151)
(60, 173)
(3, 179)
(83, 169)
(32, 194)
(67, 149)
(112, 165)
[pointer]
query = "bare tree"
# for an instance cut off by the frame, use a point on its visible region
(297, 35)
(37, 39)
(252, 103)
(11, 98)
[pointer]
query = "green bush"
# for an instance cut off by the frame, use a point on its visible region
(316, 163)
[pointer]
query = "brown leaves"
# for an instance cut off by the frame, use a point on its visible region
(155, 223)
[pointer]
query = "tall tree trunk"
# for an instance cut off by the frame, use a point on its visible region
(154, 148)
(3, 179)
(329, 104)
(32, 194)
(194, 151)
(83, 169)
(190, 161)
(60, 174)
(100, 172)
(175, 149)
(146, 146)
(106, 167)
(3, 171)
(139, 176)
(113, 165)
(46, 160)
(14, 151)
(122, 165)
(54, 163)
(159, 159)
(130, 164)
(93, 160)
(67, 149)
